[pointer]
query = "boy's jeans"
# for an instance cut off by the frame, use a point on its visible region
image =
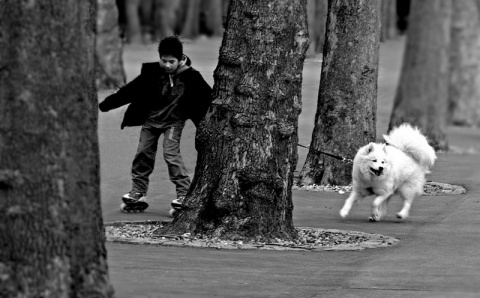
(144, 160)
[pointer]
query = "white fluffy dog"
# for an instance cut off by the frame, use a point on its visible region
(397, 167)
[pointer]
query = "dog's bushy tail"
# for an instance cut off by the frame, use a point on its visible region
(410, 140)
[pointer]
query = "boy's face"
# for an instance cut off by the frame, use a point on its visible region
(170, 63)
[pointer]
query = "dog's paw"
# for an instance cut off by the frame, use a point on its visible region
(400, 215)
(376, 213)
(343, 213)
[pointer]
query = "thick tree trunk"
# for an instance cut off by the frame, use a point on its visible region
(247, 144)
(108, 54)
(422, 94)
(464, 93)
(346, 111)
(51, 229)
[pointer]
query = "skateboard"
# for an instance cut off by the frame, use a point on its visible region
(174, 211)
(133, 206)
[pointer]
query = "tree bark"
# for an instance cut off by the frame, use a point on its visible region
(422, 94)
(346, 110)
(464, 92)
(52, 242)
(108, 53)
(247, 144)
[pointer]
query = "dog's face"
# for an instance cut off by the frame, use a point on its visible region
(374, 160)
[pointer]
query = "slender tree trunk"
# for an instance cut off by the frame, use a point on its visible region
(108, 53)
(51, 230)
(347, 106)
(311, 4)
(165, 18)
(146, 20)
(247, 145)
(464, 93)
(134, 28)
(422, 94)
(212, 14)
(225, 4)
(191, 26)
(403, 13)
(321, 11)
(389, 19)
(317, 17)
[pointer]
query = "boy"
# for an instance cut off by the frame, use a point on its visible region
(161, 99)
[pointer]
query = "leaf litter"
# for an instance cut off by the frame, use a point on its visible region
(309, 239)
(431, 188)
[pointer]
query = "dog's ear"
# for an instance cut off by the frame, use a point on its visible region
(387, 139)
(370, 148)
(385, 148)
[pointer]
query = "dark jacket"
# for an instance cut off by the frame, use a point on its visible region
(189, 97)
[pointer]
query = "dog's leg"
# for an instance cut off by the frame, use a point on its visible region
(383, 207)
(354, 195)
(407, 204)
(379, 207)
(408, 194)
(405, 210)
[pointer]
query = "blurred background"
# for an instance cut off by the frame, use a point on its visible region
(143, 22)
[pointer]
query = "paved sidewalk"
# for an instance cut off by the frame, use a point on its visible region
(438, 255)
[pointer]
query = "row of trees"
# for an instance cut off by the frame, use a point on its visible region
(439, 86)
(51, 234)
(144, 21)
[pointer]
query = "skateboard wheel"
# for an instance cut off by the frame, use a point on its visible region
(172, 212)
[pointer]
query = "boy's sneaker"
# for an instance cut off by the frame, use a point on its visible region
(134, 197)
(178, 203)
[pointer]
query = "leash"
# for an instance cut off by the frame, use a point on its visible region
(330, 154)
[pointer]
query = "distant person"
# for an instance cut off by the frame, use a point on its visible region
(161, 99)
